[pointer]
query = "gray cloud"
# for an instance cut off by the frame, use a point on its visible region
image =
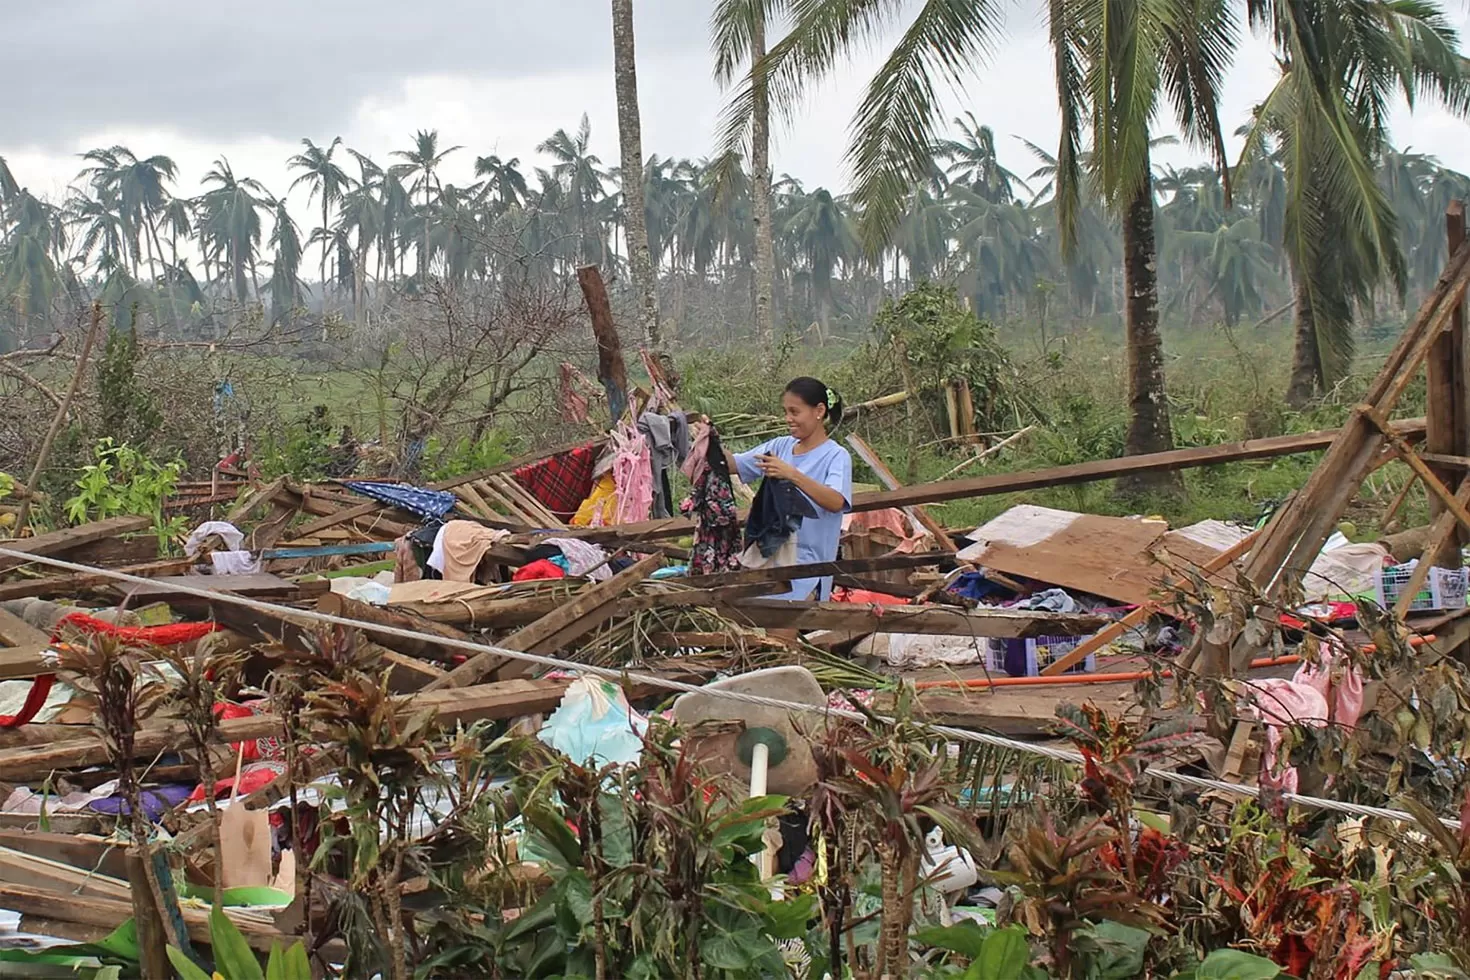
(287, 68)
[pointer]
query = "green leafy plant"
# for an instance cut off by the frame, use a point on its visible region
(235, 960)
(123, 480)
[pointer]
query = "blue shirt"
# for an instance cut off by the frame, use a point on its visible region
(817, 540)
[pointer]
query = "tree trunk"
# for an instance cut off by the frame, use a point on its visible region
(1306, 358)
(1148, 426)
(630, 140)
(760, 165)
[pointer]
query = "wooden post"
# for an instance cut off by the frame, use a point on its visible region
(1444, 395)
(59, 418)
(1460, 362)
(611, 370)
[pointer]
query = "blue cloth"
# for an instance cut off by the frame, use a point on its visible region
(433, 504)
(817, 540)
(778, 512)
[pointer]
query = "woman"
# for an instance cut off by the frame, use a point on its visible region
(819, 467)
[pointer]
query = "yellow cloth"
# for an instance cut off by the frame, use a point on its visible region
(600, 506)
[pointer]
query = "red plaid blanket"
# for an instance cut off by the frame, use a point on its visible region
(561, 482)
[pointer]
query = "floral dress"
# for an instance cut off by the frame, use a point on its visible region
(717, 525)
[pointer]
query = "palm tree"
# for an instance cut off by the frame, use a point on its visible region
(324, 178)
(422, 163)
(1114, 61)
(29, 275)
(1236, 264)
(819, 227)
(739, 39)
(285, 284)
(630, 145)
(1326, 121)
(579, 172)
(505, 184)
(974, 163)
(137, 185)
(229, 224)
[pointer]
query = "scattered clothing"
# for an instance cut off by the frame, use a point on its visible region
(255, 776)
(459, 548)
(819, 537)
(912, 651)
(234, 563)
(867, 598)
(1052, 601)
(974, 585)
(711, 504)
(539, 570)
(224, 530)
(415, 500)
(601, 506)
(584, 559)
(405, 562)
(662, 455)
(156, 800)
(256, 749)
(1280, 702)
(911, 539)
(560, 482)
(633, 475)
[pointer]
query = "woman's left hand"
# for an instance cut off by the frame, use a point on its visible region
(776, 467)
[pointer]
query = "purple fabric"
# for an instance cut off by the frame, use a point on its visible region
(157, 801)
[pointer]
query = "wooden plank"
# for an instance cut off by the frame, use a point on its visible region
(1431, 480)
(917, 513)
(589, 609)
(1140, 615)
(260, 584)
(370, 508)
(16, 632)
(89, 853)
(507, 503)
(1106, 556)
(71, 586)
(472, 497)
(339, 605)
(68, 538)
(110, 913)
(528, 501)
(930, 620)
(787, 573)
(259, 497)
(328, 551)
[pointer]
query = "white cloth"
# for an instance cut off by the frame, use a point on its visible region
(785, 555)
(227, 531)
(915, 650)
(583, 558)
(234, 563)
(436, 553)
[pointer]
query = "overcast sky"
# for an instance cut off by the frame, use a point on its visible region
(199, 80)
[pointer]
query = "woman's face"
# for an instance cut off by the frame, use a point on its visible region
(802, 420)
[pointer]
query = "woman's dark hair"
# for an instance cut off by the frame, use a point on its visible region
(815, 393)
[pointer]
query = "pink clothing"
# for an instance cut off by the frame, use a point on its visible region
(896, 522)
(1331, 693)
(697, 461)
(633, 476)
(1340, 684)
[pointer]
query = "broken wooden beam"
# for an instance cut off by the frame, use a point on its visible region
(588, 610)
(929, 620)
(339, 605)
(917, 513)
(70, 586)
(66, 539)
(787, 573)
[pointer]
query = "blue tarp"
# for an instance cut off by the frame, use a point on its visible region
(416, 500)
